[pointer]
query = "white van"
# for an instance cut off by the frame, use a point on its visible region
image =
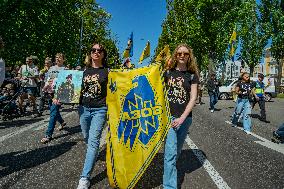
(226, 89)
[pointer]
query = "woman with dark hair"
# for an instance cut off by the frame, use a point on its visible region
(93, 108)
(181, 77)
(245, 91)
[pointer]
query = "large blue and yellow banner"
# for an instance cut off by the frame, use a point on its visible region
(138, 119)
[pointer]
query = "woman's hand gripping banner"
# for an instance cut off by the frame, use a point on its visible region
(138, 120)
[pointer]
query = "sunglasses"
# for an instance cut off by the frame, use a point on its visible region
(182, 53)
(94, 50)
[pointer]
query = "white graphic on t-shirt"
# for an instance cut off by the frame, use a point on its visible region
(93, 87)
(177, 93)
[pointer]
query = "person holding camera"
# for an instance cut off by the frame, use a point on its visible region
(245, 91)
(28, 73)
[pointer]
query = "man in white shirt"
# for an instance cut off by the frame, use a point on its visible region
(28, 75)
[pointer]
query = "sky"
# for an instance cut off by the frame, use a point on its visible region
(142, 17)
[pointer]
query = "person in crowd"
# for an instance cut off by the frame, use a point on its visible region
(259, 90)
(127, 64)
(28, 75)
(200, 89)
(245, 91)
(181, 80)
(213, 91)
(278, 135)
(93, 108)
(54, 104)
(43, 77)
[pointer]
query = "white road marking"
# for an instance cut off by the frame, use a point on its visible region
(264, 142)
(215, 176)
(36, 125)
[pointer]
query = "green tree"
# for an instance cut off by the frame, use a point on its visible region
(252, 31)
(205, 25)
(43, 28)
(274, 14)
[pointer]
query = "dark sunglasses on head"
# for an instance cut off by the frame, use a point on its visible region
(94, 50)
(184, 54)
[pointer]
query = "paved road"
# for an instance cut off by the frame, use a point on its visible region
(215, 154)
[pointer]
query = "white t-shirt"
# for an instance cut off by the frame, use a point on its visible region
(29, 71)
(2, 71)
(54, 70)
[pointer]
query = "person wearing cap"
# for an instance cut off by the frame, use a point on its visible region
(259, 90)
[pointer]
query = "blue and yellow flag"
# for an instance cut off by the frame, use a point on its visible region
(128, 52)
(233, 43)
(146, 53)
(164, 55)
(138, 119)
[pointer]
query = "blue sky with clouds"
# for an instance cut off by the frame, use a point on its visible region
(144, 18)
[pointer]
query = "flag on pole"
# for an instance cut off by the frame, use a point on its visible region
(233, 43)
(138, 120)
(164, 54)
(146, 53)
(128, 52)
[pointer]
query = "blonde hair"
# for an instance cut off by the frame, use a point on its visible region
(48, 59)
(191, 63)
(60, 55)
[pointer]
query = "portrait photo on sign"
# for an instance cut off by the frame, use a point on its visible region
(68, 86)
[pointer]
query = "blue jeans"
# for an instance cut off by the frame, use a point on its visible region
(173, 146)
(54, 116)
(92, 122)
(280, 131)
(244, 107)
(213, 100)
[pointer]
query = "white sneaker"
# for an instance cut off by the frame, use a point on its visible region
(211, 111)
(84, 183)
(247, 132)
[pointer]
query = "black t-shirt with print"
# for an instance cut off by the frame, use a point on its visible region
(245, 89)
(94, 87)
(178, 85)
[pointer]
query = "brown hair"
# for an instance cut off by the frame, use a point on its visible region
(245, 73)
(104, 60)
(60, 55)
(191, 63)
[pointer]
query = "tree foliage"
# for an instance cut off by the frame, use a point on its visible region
(43, 28)
(207, 26)
(204, 25)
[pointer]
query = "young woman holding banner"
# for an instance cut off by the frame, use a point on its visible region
(181, 79)
(93, 108)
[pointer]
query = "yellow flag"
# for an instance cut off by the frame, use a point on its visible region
(138, 120)
(233, 42)
(146, 53)
(165, 54)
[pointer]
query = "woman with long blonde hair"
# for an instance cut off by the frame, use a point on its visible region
(181, 77)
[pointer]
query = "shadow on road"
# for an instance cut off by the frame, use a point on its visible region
(70, 131)
(19, 122)
(17, 161)
(153, 177)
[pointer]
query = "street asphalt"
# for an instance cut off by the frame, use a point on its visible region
(215, 155)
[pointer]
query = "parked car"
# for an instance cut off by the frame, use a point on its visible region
(227, 87)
